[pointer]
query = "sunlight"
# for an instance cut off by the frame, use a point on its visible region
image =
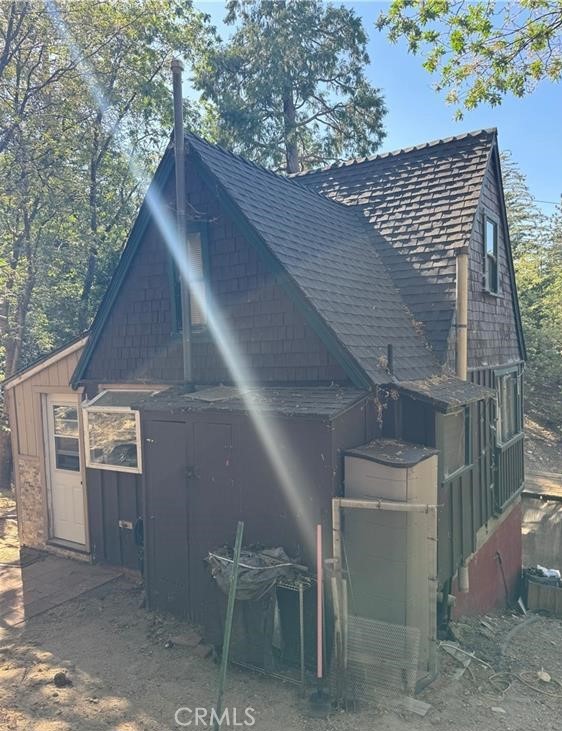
(295, 488)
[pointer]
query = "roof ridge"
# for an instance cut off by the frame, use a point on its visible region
(289, 178)
(395, 153)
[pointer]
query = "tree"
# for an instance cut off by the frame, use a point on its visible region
(481, 50)
(537, 249)
(289, 88)
(82, 84)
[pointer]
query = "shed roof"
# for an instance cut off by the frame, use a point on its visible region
(312, 401)
(422, 202)
(46, 360)
(446, 393)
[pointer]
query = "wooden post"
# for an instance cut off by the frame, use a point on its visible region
(228, 621)
(320, 603)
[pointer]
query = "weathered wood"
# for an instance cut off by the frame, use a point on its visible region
(542, 597)
(544, 484)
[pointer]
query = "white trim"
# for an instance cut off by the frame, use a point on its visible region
(89, 406)
(47, 401)
(32, 370)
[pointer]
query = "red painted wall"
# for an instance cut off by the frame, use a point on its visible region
(486, 584)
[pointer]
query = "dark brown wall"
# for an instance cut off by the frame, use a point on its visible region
(113, 496)
(229, 477)
(492, 328)
(138, 344)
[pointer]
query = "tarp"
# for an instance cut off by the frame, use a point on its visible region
(258, 571)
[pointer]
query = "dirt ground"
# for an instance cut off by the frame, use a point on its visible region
(125, 678)
(543, 447)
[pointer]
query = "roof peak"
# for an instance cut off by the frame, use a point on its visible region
(490, 131)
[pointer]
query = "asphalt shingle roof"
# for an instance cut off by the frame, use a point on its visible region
(291, 401)
(421, 202)
(330, 253)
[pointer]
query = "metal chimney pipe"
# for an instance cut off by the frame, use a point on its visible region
(179, 155)
(462, 314)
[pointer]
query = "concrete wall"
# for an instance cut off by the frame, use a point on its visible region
(487, 591)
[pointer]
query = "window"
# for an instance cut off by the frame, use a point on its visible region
(455, 440)
(112, 431)
(65, 432)
(509, 417)
(196, 259)
(491, 252)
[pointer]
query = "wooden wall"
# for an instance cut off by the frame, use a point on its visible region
(113, 497)
(138, 342)
(24, 402)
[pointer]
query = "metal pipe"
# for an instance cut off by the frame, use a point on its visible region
(464, 580)
(320, 603)
(228, 621)
(179, 156)
(462, 313)
(301, 628)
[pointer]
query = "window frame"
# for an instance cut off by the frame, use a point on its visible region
(494, 256)
(176, 306)
(468, 462)
(89, 407)
(499, 375)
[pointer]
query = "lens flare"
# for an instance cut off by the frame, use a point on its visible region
(289, 472)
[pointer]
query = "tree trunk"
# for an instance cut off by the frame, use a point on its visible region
(91, 266)
(290, 126)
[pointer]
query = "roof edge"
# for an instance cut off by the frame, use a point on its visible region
(492, 131)
(46, 360)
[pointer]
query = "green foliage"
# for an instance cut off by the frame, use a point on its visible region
(80, 88)
(481, 50)
(289, 86)
(537, 249)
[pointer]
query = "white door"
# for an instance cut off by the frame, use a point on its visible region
(65, 478)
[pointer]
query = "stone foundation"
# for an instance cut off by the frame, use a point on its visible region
(30, 503)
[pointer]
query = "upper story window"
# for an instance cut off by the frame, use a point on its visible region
(197, 285)
(455, 441)
(510, 413)
(491, 252)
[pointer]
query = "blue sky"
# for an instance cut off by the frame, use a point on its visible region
(531, 128)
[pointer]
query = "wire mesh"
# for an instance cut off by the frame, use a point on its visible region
(389, 564)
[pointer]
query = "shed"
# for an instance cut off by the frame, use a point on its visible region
(47, 448)
(207, 464)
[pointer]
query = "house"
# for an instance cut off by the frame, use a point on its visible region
(326, 320)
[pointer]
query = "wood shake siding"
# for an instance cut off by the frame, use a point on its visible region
(137, 343)
(492, 328)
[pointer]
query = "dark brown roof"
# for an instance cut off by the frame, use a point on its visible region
(329, 252)
(289, 401)
(446, 393)
(421, 202)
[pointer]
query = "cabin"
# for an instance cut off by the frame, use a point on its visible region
(348, 333)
